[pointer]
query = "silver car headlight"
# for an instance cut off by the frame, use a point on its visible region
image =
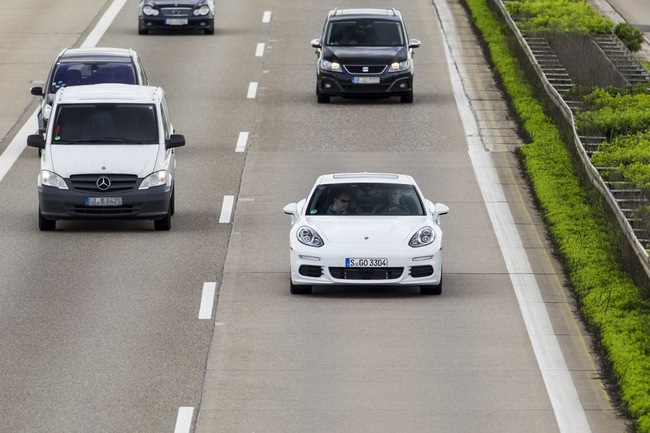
(423, 237)
(49, 178)
(150, 11)
(158, 178)
(400, 66)
(202, 11)
(330, 66)
(309, 237)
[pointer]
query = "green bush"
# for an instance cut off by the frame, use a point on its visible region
(631, 36)
(630, 156)
(609, 300)
(612, 112)
(562, 16)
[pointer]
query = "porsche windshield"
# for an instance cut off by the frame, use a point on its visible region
(105, 123)
(365, 199)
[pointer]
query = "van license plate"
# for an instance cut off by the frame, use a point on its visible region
(365, 80)
(103, 201)
(176, 21)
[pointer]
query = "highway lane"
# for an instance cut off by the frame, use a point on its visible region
(101, 320)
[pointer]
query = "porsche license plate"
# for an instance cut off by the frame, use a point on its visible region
(176, 21)
(103, 201)
(366, 263)
(365, 80)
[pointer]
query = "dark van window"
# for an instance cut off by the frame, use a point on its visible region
(80, 74)
(106, 123)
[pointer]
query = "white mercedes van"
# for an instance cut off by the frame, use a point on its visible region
(108, 153)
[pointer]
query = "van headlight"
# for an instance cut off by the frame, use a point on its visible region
(334, 66)
(400, 66)
(158, 178)
(52, 179)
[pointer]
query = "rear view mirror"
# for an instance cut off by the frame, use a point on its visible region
(36, 140)
(37, 91)
(175, 140)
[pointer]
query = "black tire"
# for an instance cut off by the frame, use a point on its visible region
(435, 289)
(322, 99)
(143, 31)
(172, 202)
(299, 290)
(408, 98)
(44, 224)
(210, 30)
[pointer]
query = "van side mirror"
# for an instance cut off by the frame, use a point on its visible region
(175, 140)
(414, 43)
(36, 140)
(37, 91)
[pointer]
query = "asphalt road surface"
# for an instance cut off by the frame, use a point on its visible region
(106, 327)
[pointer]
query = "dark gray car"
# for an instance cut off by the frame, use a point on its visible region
(84, 66)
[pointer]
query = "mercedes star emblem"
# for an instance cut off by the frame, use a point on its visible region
(103, 183)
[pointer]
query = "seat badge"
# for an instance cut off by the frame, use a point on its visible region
(365, 69)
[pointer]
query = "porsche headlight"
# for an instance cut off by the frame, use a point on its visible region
(400, 66)
(202, 11)
(309, 237)
(422, 237)
(158, 178)
(330, 66)
(49, 178)
(150, 11)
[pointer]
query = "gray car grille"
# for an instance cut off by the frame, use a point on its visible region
(179, 12)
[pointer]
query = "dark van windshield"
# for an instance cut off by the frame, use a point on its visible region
(105, 123)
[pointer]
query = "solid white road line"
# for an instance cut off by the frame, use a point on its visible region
(103, 24)
(266, 18)
(259, 51)
(226, 209)
(184, 419)
(568, 409)
(18, 144)
(241, 142)
(207, 300)
(252, 90)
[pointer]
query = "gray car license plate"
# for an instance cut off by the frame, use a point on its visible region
(176, 21)
(365, 80)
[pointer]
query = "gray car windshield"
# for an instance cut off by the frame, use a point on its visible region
(105, 123)
(365, 199)
(365, 32)
(83, 73)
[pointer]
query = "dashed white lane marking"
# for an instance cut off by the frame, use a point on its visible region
(184, 419)
(207, 301)
(226, 209)
(259, 51)
(252, 90)
(569, 412)
(266, 18)
(241, 142)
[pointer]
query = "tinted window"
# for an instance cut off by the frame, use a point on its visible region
(106, 123)
(79, 74)
(365, 33)
(368, 199)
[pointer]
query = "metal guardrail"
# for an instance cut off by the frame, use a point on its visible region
(592, 172)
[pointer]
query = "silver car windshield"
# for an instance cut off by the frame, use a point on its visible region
(105, 123)
(365, 199)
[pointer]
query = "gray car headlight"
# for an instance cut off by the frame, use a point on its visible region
(334, 66)
(49, 178)
(422, 237)
(158, 178)
(400, 66)
(150, 11)
(203, 10)
(309, 237)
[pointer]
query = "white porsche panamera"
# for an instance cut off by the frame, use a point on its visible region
(365, 228)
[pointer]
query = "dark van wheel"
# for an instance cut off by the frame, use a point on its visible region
(408, 98)
(44, 224)
(322, 99)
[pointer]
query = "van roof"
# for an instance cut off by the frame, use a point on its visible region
(107, 93)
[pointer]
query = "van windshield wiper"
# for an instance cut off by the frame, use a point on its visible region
(98, 140)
